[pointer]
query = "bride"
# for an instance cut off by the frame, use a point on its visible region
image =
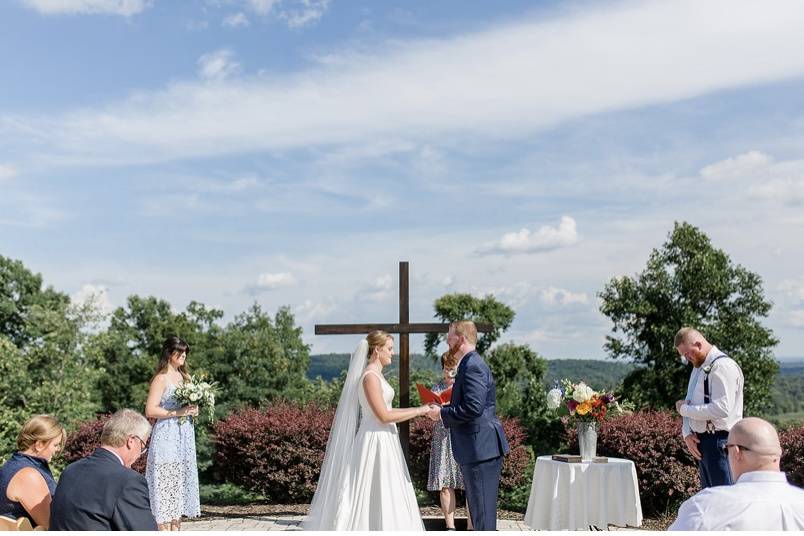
(364, 482)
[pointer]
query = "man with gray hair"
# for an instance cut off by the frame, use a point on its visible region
(713, 404)
(760, 499)
(101, 491)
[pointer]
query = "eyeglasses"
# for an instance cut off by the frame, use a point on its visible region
(143, 448)
(727, 445)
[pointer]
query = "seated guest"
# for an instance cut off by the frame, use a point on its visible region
(101, 491)
(26, 483)
(760, 498)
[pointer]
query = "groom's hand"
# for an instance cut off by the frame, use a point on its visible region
(434, 413)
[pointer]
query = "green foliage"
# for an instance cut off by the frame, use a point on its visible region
(687, 282)
(601, 375)
(516, 499)
(254, 359)
(227, 494)
(262, 359)
(454, 307)
(128, 351)
(43, 360)
(519, 373)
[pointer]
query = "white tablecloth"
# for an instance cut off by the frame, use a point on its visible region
(573, 496)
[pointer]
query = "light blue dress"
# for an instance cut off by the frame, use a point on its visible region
(172, 470)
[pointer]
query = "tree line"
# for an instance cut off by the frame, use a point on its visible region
(68, 359)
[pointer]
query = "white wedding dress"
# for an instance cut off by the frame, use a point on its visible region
(364, 483)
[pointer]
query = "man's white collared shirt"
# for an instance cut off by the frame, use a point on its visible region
(725, 405)
(759, 500)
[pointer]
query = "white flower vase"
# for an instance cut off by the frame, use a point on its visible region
(587, 440)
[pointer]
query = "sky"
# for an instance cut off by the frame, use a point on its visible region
(292, 152)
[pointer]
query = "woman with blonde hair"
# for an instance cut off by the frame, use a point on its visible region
(364, 482)
(171, 470)
(26, 483)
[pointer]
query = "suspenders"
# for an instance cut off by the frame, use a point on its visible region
(710, 427)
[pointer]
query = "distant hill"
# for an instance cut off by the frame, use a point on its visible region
(601, 375)
(791, 368)
(329, 366)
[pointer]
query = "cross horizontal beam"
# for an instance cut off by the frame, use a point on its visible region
(357, 329)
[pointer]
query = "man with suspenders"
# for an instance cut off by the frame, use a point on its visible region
(714, 403)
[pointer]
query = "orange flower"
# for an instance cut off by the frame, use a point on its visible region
(584, 408)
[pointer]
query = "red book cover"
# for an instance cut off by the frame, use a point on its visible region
(429, 397)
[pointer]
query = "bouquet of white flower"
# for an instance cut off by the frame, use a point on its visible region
(198, 392)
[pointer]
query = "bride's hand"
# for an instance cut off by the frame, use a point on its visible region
(423, 410)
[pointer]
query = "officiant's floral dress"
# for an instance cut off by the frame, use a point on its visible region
(172, 470)
(444, 470)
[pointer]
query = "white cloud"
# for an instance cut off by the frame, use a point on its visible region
(797, 318)
(218, 66)
(233, 186)
(560, 296)
(7, 172)
(304, 12)
(269, 281)
(95, 295)
(236, 20)
(744, 165)
(507, 81)
(262, 7)
(294, 13)
(125, 8)
(788, 191)
(793, 289)
(526, 241)
(379, 291)
(314, 311)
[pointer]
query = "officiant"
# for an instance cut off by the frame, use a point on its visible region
(445, 474)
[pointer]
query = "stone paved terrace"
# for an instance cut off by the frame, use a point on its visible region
(268, 522)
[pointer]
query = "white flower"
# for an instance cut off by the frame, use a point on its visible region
(554, 399)
(194, 397)
(582, 393)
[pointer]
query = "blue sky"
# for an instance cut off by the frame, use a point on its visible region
(293, 151)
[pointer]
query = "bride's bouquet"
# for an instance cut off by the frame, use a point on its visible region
(198, 392)
(582, 403)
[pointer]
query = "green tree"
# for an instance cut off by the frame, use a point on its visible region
(454, 307)
(23, 302)
(688, 282)
(263, 358)
(519, 373)
(129, 349)
(44, 363)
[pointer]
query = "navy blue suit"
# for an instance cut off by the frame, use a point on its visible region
(99, 493)
(478, 440)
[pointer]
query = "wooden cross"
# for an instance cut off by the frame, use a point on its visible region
(404, 328)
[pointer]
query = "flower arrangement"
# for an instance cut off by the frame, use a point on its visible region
(198, 392)
(582, 403)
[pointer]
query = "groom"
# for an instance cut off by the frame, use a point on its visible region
(478, 440)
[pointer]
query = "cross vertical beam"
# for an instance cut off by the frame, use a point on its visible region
(404, 352)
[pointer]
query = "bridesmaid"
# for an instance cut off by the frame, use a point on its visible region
(445, 474)
(171, 470)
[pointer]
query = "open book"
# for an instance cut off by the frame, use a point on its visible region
(429, 397)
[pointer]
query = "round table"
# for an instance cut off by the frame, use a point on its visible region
(575, 496)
